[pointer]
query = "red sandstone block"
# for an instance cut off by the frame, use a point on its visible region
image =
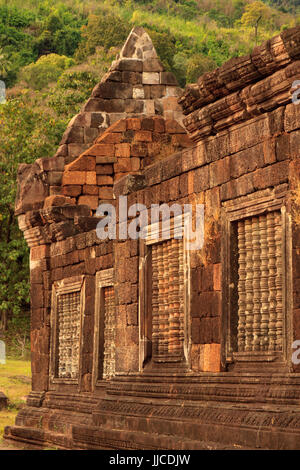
(292, 117)
(159, 125)
(209, 304)
(124, 293)
(183, 185)
(74, 178)
(206, 332)
(90, 189)
(174, 188)
(72, 190)
(173, 127)
(56, 274)
(195, 330)
(82, 163)
(134, 124)
(269, 151)
(118, 126)
(210, 357)
(295, 144)
(157, 91)
(147, 124)
(171, 103)
(74, 150)
(91, 201)
(124, 249)
(143, 136)
(101, 149)
(105, 180)
(219, 172)
(132, 314)
(110, 138)
(37, 296)
(134, 293)
(195, 357)
(217, 276)
(294, 173)
(135, 163)
(249, 134)
(123, 165)
(123, 150)
(201, 179)
(182, 140)
(39, 252)
(283, 147)
(208, 278)
(90, 266)
(106, 192)
(56, 200)
(118, 176)
(91, 177)
(131, 269)
(296, 295)
(271, 175)
(139, 150)
(103, 160)
(104, 170)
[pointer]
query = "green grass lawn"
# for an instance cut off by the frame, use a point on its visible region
(15, 383)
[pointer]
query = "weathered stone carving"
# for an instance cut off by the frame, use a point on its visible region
(260, 283)
(166, 333)
(68, 313)
(109, 333)
(167, 301)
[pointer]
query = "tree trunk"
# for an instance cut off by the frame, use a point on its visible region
(3, 320)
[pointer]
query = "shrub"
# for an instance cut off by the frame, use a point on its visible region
(47, 69)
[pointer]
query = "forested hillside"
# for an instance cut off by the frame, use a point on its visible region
(52, 53)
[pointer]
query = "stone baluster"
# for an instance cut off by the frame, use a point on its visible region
(161, 306)
(278, 281)
(165, 315)
(109, 333)
(271, 281)
(249, 286)
(155, 301)
(264, 288)
(181, 295)
(256, 246)
(173, 301)
(241, 286)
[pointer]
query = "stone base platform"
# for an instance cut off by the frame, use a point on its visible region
(211, 411)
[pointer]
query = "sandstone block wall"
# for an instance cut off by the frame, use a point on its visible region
(236, 151)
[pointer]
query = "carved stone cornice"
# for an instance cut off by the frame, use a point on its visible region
(238, 72)
(240, 106)
(51, 224)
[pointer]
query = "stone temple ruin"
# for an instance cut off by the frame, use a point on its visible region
(141, 343)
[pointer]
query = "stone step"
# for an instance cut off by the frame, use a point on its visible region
(104, 438)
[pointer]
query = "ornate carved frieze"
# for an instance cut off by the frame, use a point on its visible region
(238, 72)
(240, 106)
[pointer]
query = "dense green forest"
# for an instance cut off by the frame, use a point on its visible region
(52, 53)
